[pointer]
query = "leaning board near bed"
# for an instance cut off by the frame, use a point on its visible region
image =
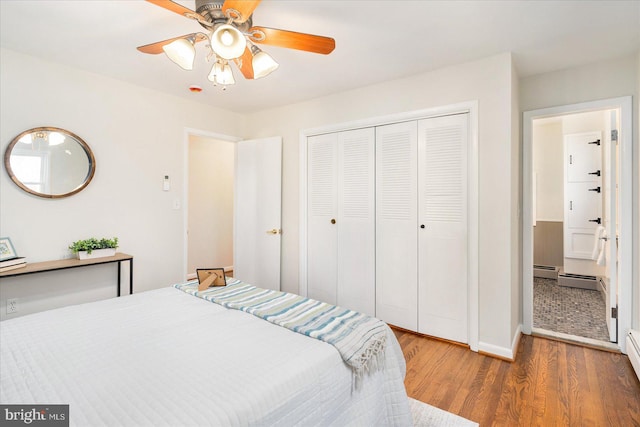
(165, 357)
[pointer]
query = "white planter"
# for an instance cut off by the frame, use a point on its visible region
(97, 253)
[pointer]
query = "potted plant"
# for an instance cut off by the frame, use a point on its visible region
(94, 248)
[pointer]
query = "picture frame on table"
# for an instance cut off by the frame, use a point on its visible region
(7, 251)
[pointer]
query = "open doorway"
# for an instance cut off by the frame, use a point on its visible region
(210, 204)
(577, 222)
(232, 218)
(574, 213)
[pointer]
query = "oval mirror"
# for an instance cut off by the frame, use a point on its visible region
(49, 162)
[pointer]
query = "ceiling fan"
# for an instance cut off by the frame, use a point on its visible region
(232, 37)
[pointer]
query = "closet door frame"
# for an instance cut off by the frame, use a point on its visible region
(470, 107)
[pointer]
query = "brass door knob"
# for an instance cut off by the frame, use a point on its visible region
(333, 221)
(274, 231)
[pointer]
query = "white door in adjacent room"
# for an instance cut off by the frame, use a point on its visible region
(257, 206)
(610, 182)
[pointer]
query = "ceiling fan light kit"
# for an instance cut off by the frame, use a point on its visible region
(231, 38)
(221, 74)
(182, 52)
(263, 63)
(228, 42)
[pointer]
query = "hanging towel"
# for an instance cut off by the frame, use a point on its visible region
(601, 256)
(598, 243)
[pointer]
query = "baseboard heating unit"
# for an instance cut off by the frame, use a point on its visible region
(633, 350)
(545, 271)
(578, 281)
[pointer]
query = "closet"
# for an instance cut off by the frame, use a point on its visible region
(387, 223)
(341, 222)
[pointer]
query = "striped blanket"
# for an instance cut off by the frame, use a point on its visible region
(360, 339)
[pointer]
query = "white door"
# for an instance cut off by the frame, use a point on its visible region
(341, 221)
(257, 206)
(356, 241)
(610, 182)
(396, 224)
(322, 243)
(442, 218)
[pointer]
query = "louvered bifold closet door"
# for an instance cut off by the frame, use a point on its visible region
(356, 220)
(443, 264)
(396, 222)
(322, 209)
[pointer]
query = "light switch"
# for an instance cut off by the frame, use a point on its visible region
(176, 204)
(166, 184)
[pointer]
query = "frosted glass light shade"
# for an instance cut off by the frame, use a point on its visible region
(263, 64)
(217, 68)
(221, 74)
(225, 77)
(182, 52)
(228, 42)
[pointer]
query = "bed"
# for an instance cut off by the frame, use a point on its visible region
(168, 358)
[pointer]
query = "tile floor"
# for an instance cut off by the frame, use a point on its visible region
(571, 311)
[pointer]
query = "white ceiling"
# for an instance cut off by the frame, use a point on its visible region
(376, 41)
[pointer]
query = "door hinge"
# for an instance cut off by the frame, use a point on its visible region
(614, 135)
(614, 312)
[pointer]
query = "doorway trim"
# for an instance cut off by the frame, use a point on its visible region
(185, 185)
(625, 279)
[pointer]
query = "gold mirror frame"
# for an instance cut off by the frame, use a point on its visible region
(46, 131)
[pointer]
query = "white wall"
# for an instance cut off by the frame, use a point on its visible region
(211, 166)
(609, 79)
(137, 136)
(491, 82)
(547, 147)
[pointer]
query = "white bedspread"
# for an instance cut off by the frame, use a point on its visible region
(165, 358)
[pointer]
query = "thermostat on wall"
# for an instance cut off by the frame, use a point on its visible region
(166, 185)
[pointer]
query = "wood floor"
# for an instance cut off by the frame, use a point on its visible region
(550, 384)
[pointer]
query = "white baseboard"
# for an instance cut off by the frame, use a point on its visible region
(502, 352)
(633, 351)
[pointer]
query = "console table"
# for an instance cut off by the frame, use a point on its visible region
(64, 264)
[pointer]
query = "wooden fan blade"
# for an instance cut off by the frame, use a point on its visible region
(179, 9)
(244, 9)
(292, 40)
(245, 64)
(156, 48)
